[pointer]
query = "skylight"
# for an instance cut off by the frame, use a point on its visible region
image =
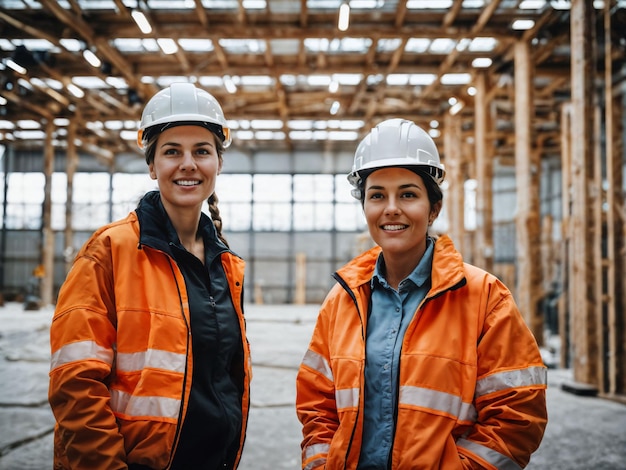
(456, 79)
(429, 4)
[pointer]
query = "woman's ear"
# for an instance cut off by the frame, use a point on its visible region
(434, 212)
(152, 173)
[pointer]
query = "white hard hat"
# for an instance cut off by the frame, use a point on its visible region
(395, 142)
(183, 103)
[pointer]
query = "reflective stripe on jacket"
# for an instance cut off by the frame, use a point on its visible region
(121, 361)
(472, 381)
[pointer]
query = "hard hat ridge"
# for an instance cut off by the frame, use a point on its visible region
(183, 103)
(395, 143)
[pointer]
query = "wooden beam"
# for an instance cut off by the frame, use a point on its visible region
(584, 202)
(71, 163)
(483, 241)
(615, 382)
(47, 234)
(527, 176)
(453, 160)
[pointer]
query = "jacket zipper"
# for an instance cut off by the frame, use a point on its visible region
(343, 284)
(182, 402)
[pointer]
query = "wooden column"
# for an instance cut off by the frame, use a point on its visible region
(527, 173)
(483, 241)
(456, 178)
(566, 298)
(71, 163)
(584, 201)
(47, 246)
(615, 382)
(300, 295)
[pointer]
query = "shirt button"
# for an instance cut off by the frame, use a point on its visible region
(397, 309)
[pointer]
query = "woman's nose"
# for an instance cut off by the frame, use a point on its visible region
(187, 163)
(392, 206)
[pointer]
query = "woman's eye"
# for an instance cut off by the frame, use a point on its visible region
(408, 195)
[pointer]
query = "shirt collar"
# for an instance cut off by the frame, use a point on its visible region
(418, 276)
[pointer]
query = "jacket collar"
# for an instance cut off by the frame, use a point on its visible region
(156, 229)
(447, 269)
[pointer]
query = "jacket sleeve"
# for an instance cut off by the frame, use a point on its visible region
(315, 398)
(82, 340)
(510, 395)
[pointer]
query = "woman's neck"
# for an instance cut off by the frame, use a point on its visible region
(399, 267)
(186, 223)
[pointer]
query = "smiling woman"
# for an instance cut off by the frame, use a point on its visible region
(148, 337)
(417, 360)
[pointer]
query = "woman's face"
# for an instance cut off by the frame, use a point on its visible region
(398, 211)
(185, 166)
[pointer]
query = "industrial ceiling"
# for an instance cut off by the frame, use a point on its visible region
(287, 77)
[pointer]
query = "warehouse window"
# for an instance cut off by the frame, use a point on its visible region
(235, 201)
(261, 202)
(128, 189)
(313, 208)
(24, 200)
(272, 195)
(349, 214)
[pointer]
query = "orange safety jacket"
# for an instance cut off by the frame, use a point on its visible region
(121, 362)
(471, 381)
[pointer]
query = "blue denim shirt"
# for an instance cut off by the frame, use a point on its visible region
(390, 314)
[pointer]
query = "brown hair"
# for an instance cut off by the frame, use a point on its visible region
(150, 152)
(435, 194)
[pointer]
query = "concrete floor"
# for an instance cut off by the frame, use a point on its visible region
(583, 432)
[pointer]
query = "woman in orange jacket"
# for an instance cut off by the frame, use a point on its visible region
(417, 360)
(150, 363)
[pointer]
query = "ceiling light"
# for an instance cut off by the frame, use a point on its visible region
(429, 4)
(74, 90)
(343, 135)
(522, 25)
(333, 86)
(334, 108)
(229, 84)
(167, 45)
(532, 4)
(28, 124)
(15, 66)
(458, 106)
(91, 58)
(561, 4)
(481, 62)
(344, 16)
(456, 79)
(254, 4)
(142, 21)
